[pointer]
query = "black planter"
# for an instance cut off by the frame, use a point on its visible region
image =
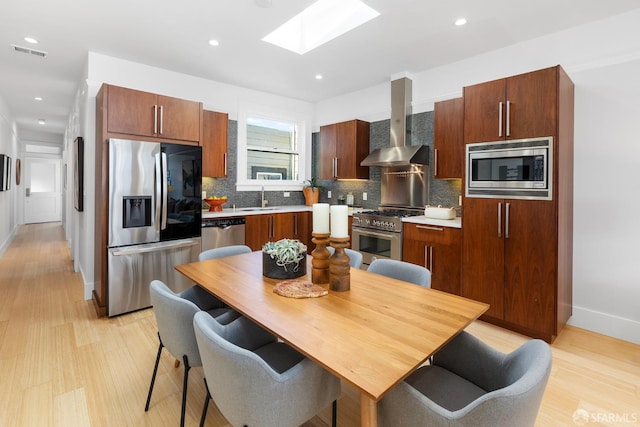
(274, 271)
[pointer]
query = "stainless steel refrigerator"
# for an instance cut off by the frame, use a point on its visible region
(155, 212)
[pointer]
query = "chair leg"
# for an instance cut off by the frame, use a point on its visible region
(155, 371)
(206, 404)
(334, 413)
(184, 389)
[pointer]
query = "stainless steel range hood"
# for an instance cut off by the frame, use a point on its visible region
(399, 153)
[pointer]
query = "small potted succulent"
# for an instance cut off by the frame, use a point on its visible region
(284, 259)
(311, 192)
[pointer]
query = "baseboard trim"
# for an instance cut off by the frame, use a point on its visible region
(88, 286)
(7, 243)
(606, 324)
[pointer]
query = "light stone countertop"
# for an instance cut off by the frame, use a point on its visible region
(230, 212)
(453, 223)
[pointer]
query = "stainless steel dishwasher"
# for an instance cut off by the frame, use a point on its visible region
(218, 232)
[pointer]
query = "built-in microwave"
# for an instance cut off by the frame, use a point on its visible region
(515, 169)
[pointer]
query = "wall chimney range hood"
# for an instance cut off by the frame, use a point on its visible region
(399, 153)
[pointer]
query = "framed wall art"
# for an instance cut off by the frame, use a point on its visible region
(78, 173)
(5, 172)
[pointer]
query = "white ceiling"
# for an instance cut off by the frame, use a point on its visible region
(408, 37)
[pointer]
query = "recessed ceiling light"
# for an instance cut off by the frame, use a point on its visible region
(38, 98)
(460, 22)
(264, 3)
(41, 121)
(319, 23)
(31, 40)
(214, 42)
(318, 76)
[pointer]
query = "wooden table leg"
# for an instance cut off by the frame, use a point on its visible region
(368, 411)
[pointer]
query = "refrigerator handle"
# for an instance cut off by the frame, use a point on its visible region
(164, 190)
(158, 182)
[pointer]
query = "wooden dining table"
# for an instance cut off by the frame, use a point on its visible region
(372, 336)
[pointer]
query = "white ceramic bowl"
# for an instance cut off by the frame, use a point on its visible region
(439, 212)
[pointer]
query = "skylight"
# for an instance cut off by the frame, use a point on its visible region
(321, 22)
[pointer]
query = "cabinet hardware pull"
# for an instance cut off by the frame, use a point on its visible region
(508, 118)
(226, 170)
(155, 119)
(426, 263)
(430, 258)
(500, 120)
(161, 119)
(428, 227)
(295, 225)
(506, 220)
(499, 219)
(335, 162)
(435, 162)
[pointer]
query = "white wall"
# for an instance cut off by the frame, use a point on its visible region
(8, 204)
(603, 60)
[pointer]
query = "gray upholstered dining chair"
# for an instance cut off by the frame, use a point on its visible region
(471, 384)
(355, 257)
(401, 270)
(174, 317)
(257, 380)
(223, 251)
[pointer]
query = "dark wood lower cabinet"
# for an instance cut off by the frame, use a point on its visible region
(263, 228)
(438, 249)
(509, 255)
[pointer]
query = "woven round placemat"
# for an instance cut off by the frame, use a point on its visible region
(299, 289)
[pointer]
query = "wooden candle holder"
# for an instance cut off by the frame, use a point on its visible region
(320, 261)
(339, 268)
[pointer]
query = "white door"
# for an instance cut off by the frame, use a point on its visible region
(43, 195)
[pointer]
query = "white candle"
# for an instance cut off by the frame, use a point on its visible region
(339, 221)
(321, 218)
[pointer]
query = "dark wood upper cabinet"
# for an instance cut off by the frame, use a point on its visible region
(215, 144)
(522, 106)
(135, 112)
(342, 147)
(448, 138)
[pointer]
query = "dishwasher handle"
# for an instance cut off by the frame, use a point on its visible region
(223, 223)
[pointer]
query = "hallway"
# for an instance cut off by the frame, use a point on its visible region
(62, 366)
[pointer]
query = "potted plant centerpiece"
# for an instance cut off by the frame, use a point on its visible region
(311, 192)
(284, 259)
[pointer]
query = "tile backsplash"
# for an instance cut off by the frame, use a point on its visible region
(442, 192)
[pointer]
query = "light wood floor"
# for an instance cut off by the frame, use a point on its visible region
(62, 366)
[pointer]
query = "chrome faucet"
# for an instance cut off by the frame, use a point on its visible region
(263, 200)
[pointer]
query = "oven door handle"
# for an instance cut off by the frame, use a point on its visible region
(381, 235)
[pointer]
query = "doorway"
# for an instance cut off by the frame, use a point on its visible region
(43, 192)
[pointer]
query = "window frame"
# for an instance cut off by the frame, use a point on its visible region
(304, 151)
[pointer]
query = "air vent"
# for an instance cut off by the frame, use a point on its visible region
(28, 51)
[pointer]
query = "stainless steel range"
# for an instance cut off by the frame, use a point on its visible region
(378, 234)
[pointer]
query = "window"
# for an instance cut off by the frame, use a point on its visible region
(276, 150)
(272, 149)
